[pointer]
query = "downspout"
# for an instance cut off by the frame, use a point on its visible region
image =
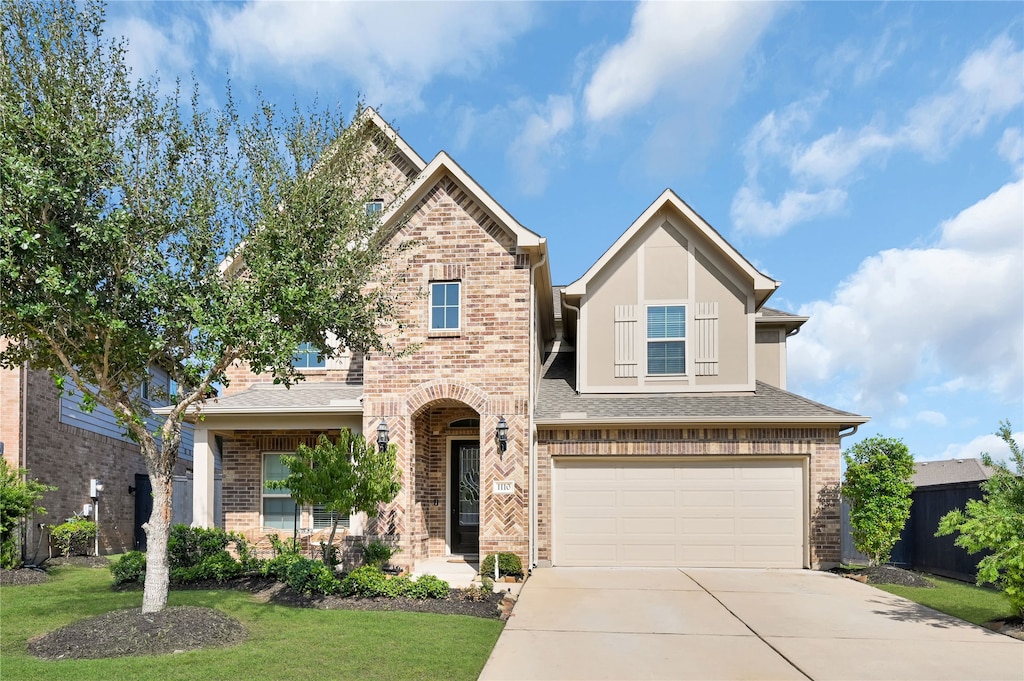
(852, 432)
(577, 343)
(532, 434)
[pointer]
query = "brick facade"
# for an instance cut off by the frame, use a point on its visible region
(820, 446)
(479, 371)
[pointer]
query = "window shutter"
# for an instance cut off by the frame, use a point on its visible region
(706, 339)
(625, 341)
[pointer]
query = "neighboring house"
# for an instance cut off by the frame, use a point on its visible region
(46, 433)
(642, 409)
(939, 487)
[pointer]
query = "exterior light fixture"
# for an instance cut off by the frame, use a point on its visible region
(382, 436)
(501, 435)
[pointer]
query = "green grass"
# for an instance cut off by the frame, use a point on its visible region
(284, 643)
(966, 601)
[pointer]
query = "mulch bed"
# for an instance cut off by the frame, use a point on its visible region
(885, 574)
(130, 632)
(37, 574)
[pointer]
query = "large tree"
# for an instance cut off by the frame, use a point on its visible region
(877, 485)
(120, 207)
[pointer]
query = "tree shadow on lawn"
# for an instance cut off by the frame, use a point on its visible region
(904, 610)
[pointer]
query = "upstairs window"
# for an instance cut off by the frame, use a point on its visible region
(444, 306)
(666, 339)
(375, 206)
(308, 357)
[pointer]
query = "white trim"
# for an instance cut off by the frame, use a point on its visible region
(371, 114)
(684, 339)
(661, 389)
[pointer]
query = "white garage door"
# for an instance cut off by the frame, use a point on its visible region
(678, 513)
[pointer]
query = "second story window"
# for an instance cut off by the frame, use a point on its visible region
(666, 339)
(444, 306)
(308, 357)
(375, 206)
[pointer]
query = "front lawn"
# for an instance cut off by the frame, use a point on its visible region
(283, 643)
(966, 601)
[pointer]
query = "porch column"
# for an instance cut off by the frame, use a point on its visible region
(202, 479)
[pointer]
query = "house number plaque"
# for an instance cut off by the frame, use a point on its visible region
(504, 487)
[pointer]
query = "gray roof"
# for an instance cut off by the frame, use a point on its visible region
(950, 471)
(556, 295)
(303, 397)
(772, 312)
(557, 402)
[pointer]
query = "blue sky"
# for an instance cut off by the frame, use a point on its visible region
(869, 156)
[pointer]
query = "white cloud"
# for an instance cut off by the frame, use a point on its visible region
(932, 418)
(987, 87)
(165, 51)
(991, 444)
(1011, 146)
(951, 314)
(392, 50)
(767, 218)
(537, 145)
(675, 48)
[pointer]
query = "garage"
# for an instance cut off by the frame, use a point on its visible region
(681, 512)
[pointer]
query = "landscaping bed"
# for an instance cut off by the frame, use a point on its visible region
(130, 632)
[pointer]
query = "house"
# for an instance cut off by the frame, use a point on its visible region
(45, 432)
(637, 416)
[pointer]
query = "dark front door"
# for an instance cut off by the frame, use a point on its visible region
(143, 509)
(465, 496)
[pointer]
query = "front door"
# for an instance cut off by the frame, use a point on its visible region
(143, 509)
(465, 496)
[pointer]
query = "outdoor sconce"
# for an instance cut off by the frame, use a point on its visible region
(382, 436)
(131, 489)
(501, 435)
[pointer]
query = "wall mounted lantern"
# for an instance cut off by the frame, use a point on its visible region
(382, 436)
(501, 435)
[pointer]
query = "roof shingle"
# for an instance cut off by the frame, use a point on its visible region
(557, 402)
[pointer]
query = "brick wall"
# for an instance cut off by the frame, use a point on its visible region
(819, 445)
(242, 490)
(69, 457)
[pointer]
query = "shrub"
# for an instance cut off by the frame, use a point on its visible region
(220, 566)
(487, 583)
(74, 536)
(377, 553)
(312, 577)
(475, 593)
(508, 564)
(366, 581)
(188, 546)
(131, 567)
(427, 586)
(285, 553)
(19, 498)
(369, 582)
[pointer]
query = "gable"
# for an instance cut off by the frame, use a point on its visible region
(667, 268)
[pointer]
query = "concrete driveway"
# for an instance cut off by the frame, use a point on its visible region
(617, 623)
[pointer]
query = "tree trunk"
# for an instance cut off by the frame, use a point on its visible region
(160, 466)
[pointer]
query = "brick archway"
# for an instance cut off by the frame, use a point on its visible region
(446, 389)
